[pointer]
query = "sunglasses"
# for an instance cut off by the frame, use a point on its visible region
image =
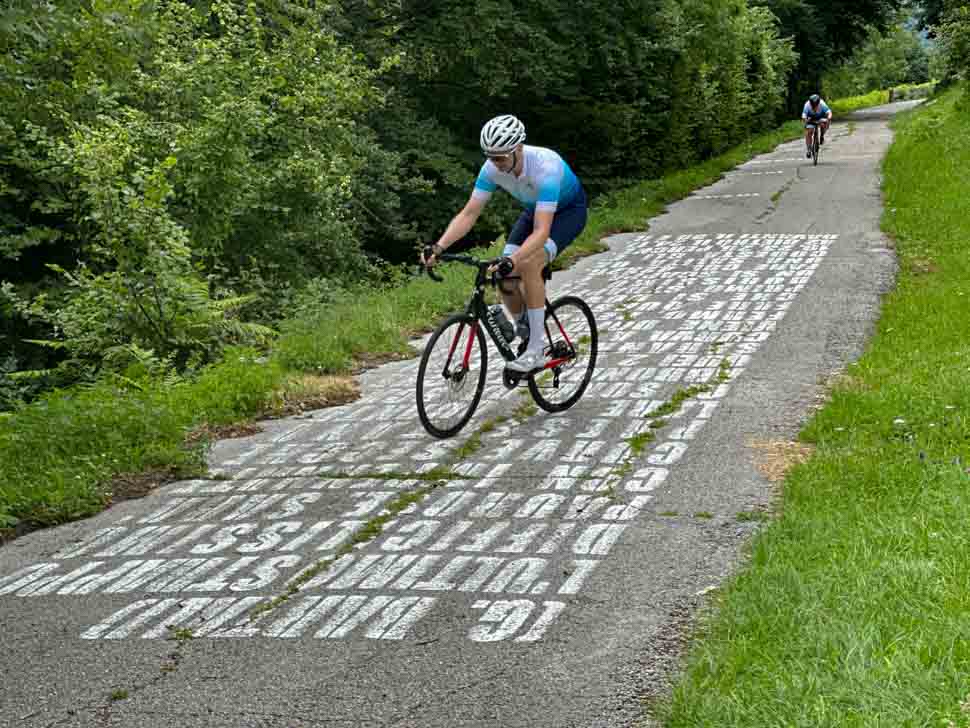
(499, 157)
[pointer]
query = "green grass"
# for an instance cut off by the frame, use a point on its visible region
(672, 406)
(525, 409)
(638, 443)
(855, 607)
(878, 98)
(374, 322)
(748, 516)
(854, 103)
(658, 417)
(58, 454)
(781, 191)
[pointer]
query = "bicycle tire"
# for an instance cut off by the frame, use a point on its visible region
(588, 339)
(430, 423)
(815, 148)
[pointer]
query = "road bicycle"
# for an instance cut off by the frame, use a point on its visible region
(816, 140)
(451, 376)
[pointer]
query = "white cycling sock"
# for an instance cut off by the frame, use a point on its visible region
(537, 317)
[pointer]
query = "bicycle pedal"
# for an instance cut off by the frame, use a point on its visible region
(560, 350)
(511, 379)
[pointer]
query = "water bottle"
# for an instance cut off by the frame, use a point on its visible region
(522, 327)
(497, 312)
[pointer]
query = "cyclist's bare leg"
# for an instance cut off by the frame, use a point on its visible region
(808, 137)
(513, 298)
(530, 290)
(530, 268)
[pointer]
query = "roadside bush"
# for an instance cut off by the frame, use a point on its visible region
(157, 154)
(141, 298)
(853, 103)
(909, 91)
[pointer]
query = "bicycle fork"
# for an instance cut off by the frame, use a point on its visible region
(454, 346)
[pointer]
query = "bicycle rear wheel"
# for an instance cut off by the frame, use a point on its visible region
(571, 340)
(451, 376)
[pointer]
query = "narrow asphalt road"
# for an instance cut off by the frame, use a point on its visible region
(549, 584)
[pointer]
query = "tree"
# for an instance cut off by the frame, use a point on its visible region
(825, 33)
(929, 13)
(954, 38)
(883, 60)
(156, 153)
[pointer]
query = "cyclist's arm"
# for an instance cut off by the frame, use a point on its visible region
(463, 222)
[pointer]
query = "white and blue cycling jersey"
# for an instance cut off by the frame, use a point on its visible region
(546, 183)
(809, 113)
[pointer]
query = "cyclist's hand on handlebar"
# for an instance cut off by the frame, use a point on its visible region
(503, 266)
(429, 256)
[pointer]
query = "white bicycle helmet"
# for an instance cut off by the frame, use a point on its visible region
(502, 134)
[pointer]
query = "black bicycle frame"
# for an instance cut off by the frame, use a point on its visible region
(479, 311)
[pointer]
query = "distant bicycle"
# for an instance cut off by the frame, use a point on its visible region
(816, 142)
(815, 112)
(451, 377)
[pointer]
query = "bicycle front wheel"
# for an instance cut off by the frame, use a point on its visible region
(815, 148)
(570, 347)
(451, 376)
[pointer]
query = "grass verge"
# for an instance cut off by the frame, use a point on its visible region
(854, 103)
(853, 609)
(73, 452)
(59, 454)
(904, 92)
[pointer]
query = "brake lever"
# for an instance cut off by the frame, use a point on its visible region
(431, 274)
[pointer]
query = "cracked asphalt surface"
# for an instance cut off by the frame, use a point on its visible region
(549, 579)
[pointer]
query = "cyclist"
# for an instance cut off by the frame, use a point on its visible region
(816, 111)
(554, 215)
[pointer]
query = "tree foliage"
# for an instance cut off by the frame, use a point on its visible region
(825, 33)
(929, 13)
(163, 162)
(953, 33)
(614, 86)
(884, 59)
(154, 149)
